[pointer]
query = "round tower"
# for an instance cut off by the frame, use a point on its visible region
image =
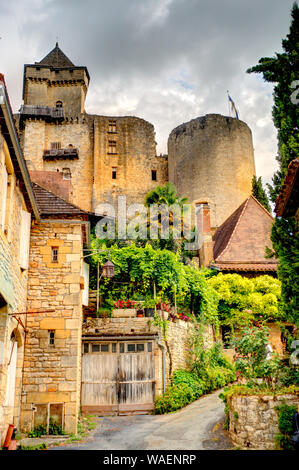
(211, 161)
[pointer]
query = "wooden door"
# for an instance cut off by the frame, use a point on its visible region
(119, 383)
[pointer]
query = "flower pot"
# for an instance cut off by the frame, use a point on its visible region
(140, 315)
(149, 312)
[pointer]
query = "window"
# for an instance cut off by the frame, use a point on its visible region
(51, 337)
(66, 174)
(131, 347)
(112, 147)
(55, 145)
(104, 347)
(54, 254)
(59, 104)
(86, 348)
(95, 348)
(149, 347)
(113, 173)
(122, 347)
(154, 175)
(24, 239)
(112, 126)
(113, 348)
(140, 347)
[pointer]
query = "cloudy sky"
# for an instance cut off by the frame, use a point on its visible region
(167, 61)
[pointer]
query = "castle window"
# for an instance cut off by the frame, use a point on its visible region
(59, 104)
(112, 126)
(112, 147)
(54, 254)
(51, 337)
(55, 145)
(154, 175)
(114, 173)
(66, 174)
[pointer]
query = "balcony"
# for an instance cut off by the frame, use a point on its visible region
(61, 154)
(42, 112)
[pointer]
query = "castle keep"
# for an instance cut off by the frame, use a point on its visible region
(210, 159)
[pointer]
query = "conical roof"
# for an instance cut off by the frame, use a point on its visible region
(56, 58)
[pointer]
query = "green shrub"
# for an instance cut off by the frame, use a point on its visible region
(285, 426)
(175, 397)
(38, 431)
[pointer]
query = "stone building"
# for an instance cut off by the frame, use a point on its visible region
(41, 293)
(210, 159)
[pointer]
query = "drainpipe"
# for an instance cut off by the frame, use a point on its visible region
(161, 346)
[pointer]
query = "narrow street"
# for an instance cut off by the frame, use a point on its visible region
(199, 426)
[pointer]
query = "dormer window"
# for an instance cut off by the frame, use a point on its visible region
(59, 104)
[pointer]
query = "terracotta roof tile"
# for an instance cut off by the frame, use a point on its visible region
(240, 242)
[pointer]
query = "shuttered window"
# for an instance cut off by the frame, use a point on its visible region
(24, 239)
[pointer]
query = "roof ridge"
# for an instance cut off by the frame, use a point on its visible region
(261, 205)
(56, 58)
(235, 227)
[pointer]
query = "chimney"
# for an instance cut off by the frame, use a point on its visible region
(205, 242)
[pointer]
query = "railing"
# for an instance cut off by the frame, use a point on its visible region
(42, 111)
(68, 153)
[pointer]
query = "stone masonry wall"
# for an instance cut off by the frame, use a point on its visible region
(211, 160)
(52, 373)
(253, 421)
(13, 294)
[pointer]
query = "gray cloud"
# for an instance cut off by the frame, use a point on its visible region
(166, 61)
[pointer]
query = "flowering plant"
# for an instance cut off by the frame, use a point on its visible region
(164, 307)
(125, 304)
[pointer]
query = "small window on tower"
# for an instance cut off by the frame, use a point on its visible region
(54, 254)
(114, 173)
(66, 173)
(55, 145)
(59, 104)
(51, 337)
(154, 175)
(112, 146)
(112, 126)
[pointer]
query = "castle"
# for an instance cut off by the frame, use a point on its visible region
(210, 159)
(54, 172)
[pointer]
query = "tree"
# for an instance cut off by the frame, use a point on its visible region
(283, 71)
(259, 193)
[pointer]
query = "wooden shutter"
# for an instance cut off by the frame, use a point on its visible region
(4, 196)
(25, 239)
(85, 291)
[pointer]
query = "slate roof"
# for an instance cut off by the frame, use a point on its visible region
(51, 205)
(56, 58)
(240, 242)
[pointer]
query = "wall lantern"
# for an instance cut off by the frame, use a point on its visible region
(108, 269)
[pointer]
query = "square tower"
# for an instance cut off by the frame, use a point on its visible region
(54, 88)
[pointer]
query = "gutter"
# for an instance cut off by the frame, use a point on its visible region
(18, 152)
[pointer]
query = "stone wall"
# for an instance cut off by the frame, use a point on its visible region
(211, 161)
(13, 294)
(253, 421)
(52, 372)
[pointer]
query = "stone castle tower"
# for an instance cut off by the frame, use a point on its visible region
(211, 161)
(94, 159)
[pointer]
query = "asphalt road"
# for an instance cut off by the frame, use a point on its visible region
(198, 426)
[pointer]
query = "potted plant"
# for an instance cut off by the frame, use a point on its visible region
(149, 306)
(124, 308)
(140, 313)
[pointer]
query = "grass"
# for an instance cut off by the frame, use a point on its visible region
(85, 424)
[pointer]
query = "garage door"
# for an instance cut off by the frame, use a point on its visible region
(118, 377)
